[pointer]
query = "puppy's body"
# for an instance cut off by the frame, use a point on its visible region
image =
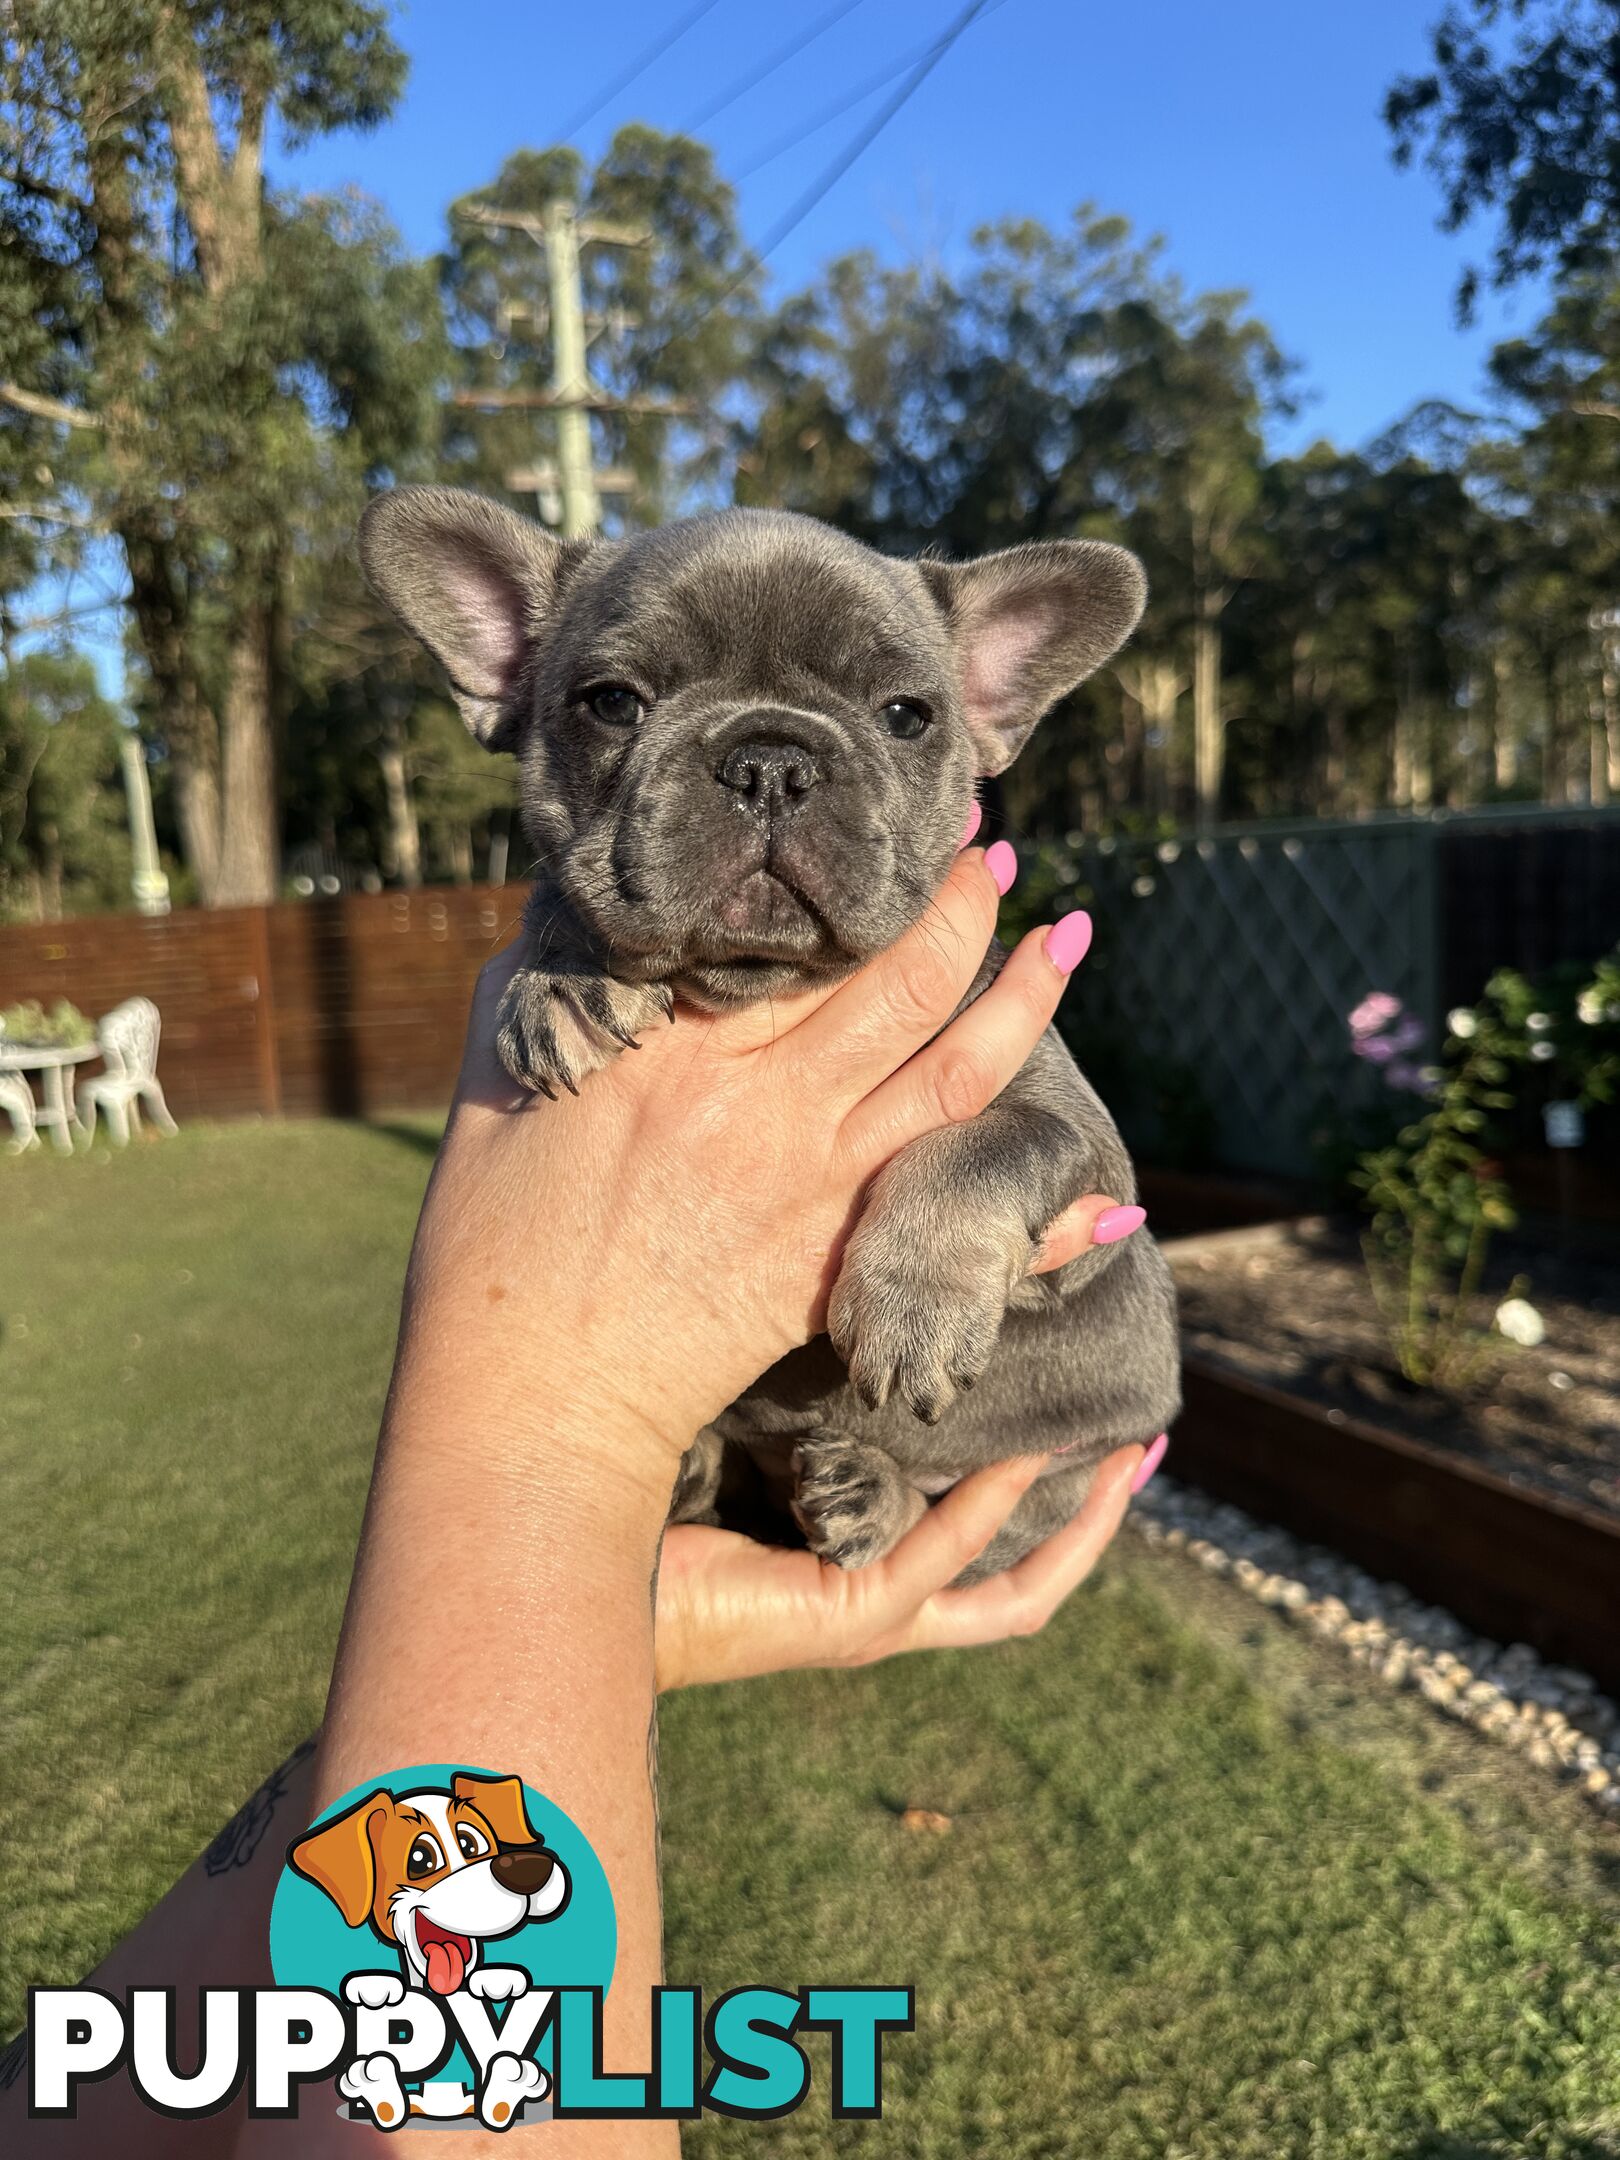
(748, 746)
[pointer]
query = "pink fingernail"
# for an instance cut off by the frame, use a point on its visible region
(1068, 941)
(1150, 1462)
(1002, 865)
(975, 818)
(1116, 1223)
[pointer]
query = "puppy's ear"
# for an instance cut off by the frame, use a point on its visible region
(1030, 623)
(339, 1857)
(477, 585)
(500, 1801)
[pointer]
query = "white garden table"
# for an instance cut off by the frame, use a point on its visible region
(54, 1062)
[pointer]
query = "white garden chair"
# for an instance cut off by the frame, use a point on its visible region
(17, 1101)
(128, 1037)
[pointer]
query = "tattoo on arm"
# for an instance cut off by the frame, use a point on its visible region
(242, 1835)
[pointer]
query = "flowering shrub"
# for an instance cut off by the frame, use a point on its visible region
(1433, 1194)
(1565, 1028)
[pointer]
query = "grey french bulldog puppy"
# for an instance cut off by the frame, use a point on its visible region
(748, 746)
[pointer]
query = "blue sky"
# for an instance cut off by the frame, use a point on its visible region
(1248, 134)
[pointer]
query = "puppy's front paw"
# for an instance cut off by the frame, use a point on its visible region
(919, 1323)
(498, 1983)
(851, 1501)
(374, 1991)
(555, 1030)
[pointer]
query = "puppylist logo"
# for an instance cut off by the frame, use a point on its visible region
(442, 1943)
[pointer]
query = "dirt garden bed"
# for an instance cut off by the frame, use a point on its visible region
(1289, 1306)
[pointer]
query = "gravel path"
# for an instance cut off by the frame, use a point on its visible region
(1558, 1718)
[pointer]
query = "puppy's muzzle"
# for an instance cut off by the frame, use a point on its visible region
(771, 771)
(522, 1872)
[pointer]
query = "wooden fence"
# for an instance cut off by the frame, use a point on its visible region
(317, 1007)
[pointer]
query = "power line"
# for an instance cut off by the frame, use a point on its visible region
(847, 103)
(865, 136)
(767, 68)
(638, 67)
(863, 140)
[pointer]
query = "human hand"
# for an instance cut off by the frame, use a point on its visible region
(731, 1609)
(638, 1254)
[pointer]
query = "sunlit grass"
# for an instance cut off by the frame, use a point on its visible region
(1204, 1893)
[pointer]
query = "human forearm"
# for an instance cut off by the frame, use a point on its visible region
(501, 1616)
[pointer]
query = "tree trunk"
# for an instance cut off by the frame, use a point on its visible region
(249, 853)
(1610, 753)
(196, 809)
(50, 885)
(1504, 744)
(461, 854)
(404, 834)
(1209, 739)
(158, 602)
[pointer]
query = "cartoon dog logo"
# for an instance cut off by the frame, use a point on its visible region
(437, 1875)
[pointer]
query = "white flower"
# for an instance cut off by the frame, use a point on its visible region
(1538, 1023)
(1518, 1320)
(1542, 1051)
(1463, 1021)
(1589, 1006)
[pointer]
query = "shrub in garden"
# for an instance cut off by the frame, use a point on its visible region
(1435, 1195)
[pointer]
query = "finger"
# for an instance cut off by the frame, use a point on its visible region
(1095, 1220)
(875, 1021)
(1024, 1598)
(953, 1532)
(966, 1067)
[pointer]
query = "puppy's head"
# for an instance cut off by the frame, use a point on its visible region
(748, 744)
(436, 1873)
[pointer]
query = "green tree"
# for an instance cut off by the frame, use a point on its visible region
(62, 841)
(218, 368)
(1519, 116)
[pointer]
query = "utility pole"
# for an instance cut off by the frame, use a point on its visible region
(581, 505)
(574, 486)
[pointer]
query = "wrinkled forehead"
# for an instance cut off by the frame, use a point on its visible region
(758, 600)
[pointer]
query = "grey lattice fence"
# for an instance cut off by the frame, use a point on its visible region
(1228, 965)
(1216, 997)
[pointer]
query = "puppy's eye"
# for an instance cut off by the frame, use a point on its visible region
(904, 717)
(616, 705)
(472, 1843)
(424, 1858)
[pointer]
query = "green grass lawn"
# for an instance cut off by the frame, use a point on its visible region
(1206, 1892)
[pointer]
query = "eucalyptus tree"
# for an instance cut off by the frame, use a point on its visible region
(1518, 118)
(210, 368)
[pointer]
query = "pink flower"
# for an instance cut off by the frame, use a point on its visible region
(1376, 1010)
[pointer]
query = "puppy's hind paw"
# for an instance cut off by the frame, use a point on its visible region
(508, 2083)
(555, 1030)
(374, 2082)
(851, 1502)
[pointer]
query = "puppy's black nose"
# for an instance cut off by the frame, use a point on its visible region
(771, 777)
(525, 1870)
